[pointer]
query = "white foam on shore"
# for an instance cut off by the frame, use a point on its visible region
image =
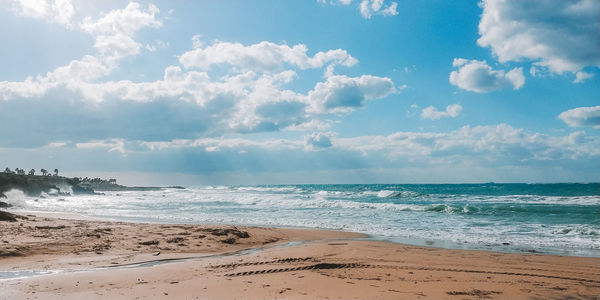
(59, 215)
(390, 213)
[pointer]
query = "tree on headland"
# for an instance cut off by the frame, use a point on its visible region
(55, 172)
(20, 171)
(7, 171)
(31, 172)
(44, 172)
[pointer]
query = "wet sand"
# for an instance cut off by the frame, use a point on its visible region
(95, 262)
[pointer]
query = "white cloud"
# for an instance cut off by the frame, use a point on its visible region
(116, 46)
(582, 116)
(113, 35)
(112, 145)
(125, 21)
(391, 10)
(57, 11)
(562, 36)
(317, 140)
(582, 76)
(264, 56)
(250, 97)
(242, 102)
(368, 8)
(432, 113)
(344, 2)
(342, 94)
(470, 146)
(115, 30)
(502, 144)
(197, 41)
(477, 76)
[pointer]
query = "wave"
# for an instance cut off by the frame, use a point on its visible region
(392, 211)
(16, 198)
(397, 194)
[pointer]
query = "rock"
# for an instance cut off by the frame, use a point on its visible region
(176, 240)
(5, 205)
(6, 216)
(227, 231)
(229, 241)
(50, 227)
(148, 243)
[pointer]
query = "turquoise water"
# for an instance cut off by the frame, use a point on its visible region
(549, 218)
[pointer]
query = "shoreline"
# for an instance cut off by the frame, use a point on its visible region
(412, 241)
(122, 260)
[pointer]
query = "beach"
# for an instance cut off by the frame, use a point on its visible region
(80, 258)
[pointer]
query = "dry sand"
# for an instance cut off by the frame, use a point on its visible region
(95, 262)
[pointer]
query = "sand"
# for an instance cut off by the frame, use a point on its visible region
(118, 260)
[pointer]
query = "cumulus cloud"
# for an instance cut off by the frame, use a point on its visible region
(562, 36)
(582, 116)
(369, 8)
(53, 11)
(477, 76)
(582, 76)
(263, 56)
(432, 113)
(125, 21)
(189, 101)
(243, 101)
(317, 140)
(342, 94)
(116, 46)
(113, 35)
(115, 30)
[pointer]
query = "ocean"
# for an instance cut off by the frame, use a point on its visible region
(561, 218)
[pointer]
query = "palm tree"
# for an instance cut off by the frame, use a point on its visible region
(7, 170)
(55, 172)
(20, 171)
(31, 172)
(44, 172)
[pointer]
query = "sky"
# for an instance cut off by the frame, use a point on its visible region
(302, 91)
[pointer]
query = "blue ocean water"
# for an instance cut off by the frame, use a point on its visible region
(559, 218)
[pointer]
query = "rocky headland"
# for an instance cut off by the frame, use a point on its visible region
(37, 185)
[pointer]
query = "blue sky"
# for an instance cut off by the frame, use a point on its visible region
(324, 91)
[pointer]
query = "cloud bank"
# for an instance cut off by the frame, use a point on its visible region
(475, 153)
(248, 93)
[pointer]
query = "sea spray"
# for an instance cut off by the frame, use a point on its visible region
(16, 198)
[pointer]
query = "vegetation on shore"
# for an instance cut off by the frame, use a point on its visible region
(35, 185)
